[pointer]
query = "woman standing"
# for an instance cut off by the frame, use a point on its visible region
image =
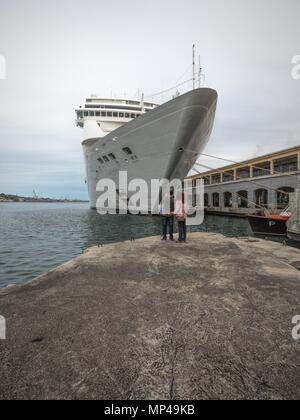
(181, 212)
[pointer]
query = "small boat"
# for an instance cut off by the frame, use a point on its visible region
(269, 224)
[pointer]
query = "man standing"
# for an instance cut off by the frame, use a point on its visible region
(167, 210)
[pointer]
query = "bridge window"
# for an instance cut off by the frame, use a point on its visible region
(127, 150)
(288, 164)
(216, 199)
(261, 197)
(283, 197)
(243, 199)
(228, 199)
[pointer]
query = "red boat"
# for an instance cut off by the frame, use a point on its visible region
(269, 224)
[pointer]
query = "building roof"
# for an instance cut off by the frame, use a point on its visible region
(255, 161)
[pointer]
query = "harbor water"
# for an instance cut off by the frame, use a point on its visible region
(36, 238)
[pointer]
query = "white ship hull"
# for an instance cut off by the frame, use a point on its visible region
(165, 142)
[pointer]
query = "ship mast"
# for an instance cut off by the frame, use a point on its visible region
(194, 78)
(200, 72)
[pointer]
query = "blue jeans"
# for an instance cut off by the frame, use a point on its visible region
(182, 231)
(168, 221)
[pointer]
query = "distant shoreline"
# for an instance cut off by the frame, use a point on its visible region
(9, 198)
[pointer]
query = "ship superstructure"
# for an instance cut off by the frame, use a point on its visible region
(101, 116)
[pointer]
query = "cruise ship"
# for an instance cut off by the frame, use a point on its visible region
(147, 140)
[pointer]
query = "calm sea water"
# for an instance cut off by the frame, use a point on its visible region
(38, 237)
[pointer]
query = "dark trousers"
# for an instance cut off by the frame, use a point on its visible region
(182, 231)
(168, 221)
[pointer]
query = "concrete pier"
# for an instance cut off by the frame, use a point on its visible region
(150, 320)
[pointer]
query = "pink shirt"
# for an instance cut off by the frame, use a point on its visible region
(181, 208)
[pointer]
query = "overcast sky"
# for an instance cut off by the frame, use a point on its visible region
(60, 51)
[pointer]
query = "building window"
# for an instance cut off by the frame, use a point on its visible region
(216, 199)
(228, 176)
(228, 199)
(100, 160)
(216, 179)
(127, 150)
(86, 114)
(288, 164)
(206, 200)
(98, 114)
(262, 169)
(105, 158)
(194, 192)
(112, 156)
(121, 114)
(132, 116)
(127, 116)
(92, 114)
(243, 199)
(261, 197)
(283, 197)
(103, 114)
(243, 173)
(207, 180)
(115, 114)
(109, 114)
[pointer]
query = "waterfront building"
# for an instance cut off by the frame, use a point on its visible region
(262, 182)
